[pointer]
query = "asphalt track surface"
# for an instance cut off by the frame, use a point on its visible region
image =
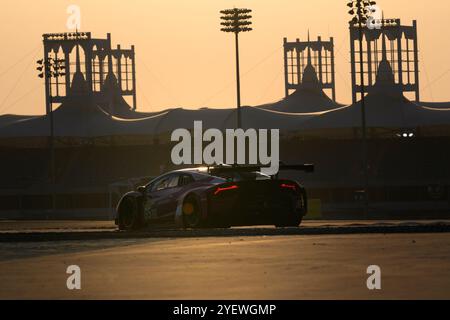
(32, 231)
(320, 260)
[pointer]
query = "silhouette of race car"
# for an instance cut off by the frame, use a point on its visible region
(215, 197)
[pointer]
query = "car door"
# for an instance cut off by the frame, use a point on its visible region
(163, 197)
(153, 198)
(182, 182)
(168, 203)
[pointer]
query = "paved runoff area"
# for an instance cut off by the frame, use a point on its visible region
(320, 260)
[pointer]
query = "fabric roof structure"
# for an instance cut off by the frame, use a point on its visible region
(113, 102)
(8, 119)
(81, 117)
(382, 111)
(435, 105)
(78, 116)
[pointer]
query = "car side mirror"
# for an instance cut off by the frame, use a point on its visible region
(141, 189)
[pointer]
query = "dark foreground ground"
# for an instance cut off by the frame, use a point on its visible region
(321, 260)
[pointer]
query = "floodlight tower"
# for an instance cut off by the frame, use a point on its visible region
(361, 11)
(51, 68)
(237, 21)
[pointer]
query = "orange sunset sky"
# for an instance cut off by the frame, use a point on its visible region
(183, 60)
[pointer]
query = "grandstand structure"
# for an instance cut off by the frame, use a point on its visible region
(101, 140)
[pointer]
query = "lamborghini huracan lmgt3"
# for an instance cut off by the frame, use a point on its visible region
(216, 197)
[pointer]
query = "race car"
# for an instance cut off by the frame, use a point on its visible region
(215, 197)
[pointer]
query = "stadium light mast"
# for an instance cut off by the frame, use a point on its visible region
(51, 68)
(360, 10)
(237, 21)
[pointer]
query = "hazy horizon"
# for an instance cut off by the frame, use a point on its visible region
(183, 60)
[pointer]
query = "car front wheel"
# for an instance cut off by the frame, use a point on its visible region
(129, 217)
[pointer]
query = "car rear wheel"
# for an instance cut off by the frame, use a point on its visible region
(291, 223)
(192, 213)
(292, 218)
(293, 215)
(129, 218)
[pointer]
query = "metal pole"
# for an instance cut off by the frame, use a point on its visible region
(363, 121)
(286, 70)
(53, 160)
(52, 133)
(133, 70)
(238, 82)
(416, 61)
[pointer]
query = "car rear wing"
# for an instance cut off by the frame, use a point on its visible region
(234, 168)
(257, 168)
(297, 167)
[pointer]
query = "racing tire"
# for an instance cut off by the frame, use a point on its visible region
(292, 224)
(129, 215)
(294, 215)
(291, 221)
(192, 215)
